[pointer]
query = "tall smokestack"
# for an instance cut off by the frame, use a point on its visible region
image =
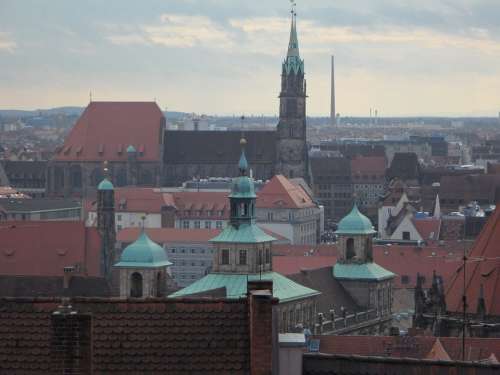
(333, 113)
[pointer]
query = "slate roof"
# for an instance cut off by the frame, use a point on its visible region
(483, 269)
(212, 147)
(405, 166)
(284, 288)
(37, 204)
(279, 192)
(44, 248)
(106, 129)
(133, 336)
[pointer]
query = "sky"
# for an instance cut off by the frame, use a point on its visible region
(402, 57)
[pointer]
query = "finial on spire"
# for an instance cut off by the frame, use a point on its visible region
(105, 169)
(243, 164)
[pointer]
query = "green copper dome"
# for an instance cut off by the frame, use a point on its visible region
(143, 253)
(242, 187)
(105, 185)
(355, 223)
(131, 149)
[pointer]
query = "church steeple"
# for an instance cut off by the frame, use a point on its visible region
(291, 147)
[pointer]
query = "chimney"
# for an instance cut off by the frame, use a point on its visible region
(67, 274)
(261, 301)
(70, 344)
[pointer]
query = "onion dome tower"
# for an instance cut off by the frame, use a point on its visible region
(368, 283)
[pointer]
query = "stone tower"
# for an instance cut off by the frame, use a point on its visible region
(291, 145)
(144, 269)
(106, 225)
(368, 283)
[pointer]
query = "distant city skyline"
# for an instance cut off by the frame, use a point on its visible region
(403, 58)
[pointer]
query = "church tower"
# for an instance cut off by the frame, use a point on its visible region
(291, 144)
(106, 224)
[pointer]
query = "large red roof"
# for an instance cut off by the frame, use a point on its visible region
(44, 248)
(369, 165)
(482, 269)
(279, 192)
(106, 129)
(402, 260)
(166, 235)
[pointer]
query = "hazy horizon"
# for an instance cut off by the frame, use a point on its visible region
(405, 58)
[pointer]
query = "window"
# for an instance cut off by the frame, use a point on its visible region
(119, 227)
(136, 285)
(185, 224)
(406, 236)
(349, 249)
(172, 250)
(218, 224)
(208, 225)
(119, 217)
(268, 256)
(193, 251)
(197, 224)
(183, 250)
(243, 257)
(225, 256)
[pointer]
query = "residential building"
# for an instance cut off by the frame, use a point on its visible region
(368, 179)
(287, 209)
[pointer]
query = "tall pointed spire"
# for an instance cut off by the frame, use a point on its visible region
(293, 44)
(293, 63)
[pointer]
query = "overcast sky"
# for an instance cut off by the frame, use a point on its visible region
(404, 57)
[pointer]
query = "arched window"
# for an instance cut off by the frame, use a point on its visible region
(136, 285)
(349, 249)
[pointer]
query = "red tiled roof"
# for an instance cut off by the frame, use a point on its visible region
(483, 269)
(44, 248)
(279, 192)
(410, 346)
(368, 165)
(106, 129)
(134, 199)
(427, 227)
(166, 235)
(160, 336)
(399, 259)
(203, 201)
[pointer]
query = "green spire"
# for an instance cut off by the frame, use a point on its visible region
(293, 44)
(293, 63)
